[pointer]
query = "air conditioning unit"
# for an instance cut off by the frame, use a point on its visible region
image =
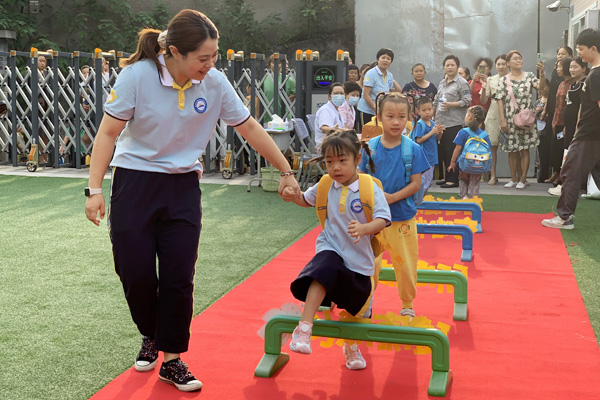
(592, 19)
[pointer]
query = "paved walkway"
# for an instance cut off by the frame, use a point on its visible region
(536, 189)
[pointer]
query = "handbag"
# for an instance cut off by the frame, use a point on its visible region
(524, 119)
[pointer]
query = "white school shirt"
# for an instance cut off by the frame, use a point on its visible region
(358, 257)
(168, 129)
(326, 115)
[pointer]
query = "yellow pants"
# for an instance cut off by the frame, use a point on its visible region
(403, 239)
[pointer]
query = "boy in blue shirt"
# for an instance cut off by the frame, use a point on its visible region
(427, 134)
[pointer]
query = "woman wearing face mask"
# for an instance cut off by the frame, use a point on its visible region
(418, 88)
(348, 109)
(328, 117)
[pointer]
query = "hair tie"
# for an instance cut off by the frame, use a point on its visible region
(162, 39)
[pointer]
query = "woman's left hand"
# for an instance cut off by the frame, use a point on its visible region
(289, 181)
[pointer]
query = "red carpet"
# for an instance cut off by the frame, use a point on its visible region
(528, 335)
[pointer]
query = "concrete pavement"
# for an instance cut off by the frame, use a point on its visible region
(535, 189)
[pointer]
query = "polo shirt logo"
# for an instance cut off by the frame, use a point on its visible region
(356, 206)
(200, 105)
(112, 96)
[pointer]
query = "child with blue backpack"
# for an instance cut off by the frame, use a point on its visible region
(398, 163)
(473, 152)
(426, 133)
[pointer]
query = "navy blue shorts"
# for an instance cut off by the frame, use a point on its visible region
(349, 290)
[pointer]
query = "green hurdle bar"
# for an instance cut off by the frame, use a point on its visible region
(454, 206)
(441, 375)
(454, 278)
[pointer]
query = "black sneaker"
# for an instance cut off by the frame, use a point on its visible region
(147, 358)
(176, 373)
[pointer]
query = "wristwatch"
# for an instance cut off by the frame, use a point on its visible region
(90, 192)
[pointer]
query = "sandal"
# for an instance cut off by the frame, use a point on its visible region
(492, 181)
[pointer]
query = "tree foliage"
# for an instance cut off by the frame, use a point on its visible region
(111, 24)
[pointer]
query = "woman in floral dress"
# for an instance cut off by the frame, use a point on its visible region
(518, 141)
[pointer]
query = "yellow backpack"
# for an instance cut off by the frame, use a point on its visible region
(367, 200)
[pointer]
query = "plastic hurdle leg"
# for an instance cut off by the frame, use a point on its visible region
(441, 375)
(454, 278)
(474, 208)
(461, 230)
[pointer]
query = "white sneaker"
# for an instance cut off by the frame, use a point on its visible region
(510, 184)
(521, 185)
(558, 222)
(354, 360)
(407, 312)
(301, 338)
(555, 191)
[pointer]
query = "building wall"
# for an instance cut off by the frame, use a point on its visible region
(580, 19)
(579, 6)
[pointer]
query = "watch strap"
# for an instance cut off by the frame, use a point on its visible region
(90, 191)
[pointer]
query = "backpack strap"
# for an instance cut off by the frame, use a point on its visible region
(367, 193)
(407, 159)
(322, 194)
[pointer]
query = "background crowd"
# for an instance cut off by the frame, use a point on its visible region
(503, 89)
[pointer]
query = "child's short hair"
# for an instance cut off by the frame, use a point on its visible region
(451, 57)
(385, 51)
(344, 141)
(393, 97)
(350, 87)
(422, 101)
(588, 38)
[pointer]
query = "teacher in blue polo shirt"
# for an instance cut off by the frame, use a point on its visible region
(163, 108)
(377, 80)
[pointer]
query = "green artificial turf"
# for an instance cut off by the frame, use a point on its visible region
(65, 330)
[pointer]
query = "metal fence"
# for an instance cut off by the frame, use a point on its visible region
(60, 107)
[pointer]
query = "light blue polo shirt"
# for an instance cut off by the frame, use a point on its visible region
(358, 257)
(374, 80)
(389, 169)
(165, 131)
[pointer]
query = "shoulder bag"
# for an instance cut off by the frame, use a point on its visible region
(524, 119)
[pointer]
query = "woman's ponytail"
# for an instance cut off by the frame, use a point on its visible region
(147, 47)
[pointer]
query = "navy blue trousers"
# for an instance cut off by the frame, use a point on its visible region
(156, 216)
